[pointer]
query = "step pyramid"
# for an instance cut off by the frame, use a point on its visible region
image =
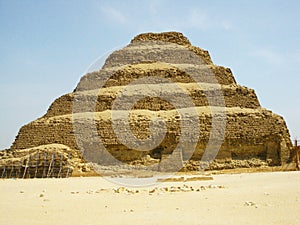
(162, 98)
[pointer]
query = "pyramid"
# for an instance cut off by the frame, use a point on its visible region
(158, 99)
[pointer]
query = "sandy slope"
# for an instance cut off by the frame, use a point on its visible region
(256, 198)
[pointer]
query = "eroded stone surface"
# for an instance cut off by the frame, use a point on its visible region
(250, 132)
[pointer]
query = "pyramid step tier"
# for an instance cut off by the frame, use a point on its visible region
(157, 51)
(155, 97)
(177, 73)
(249, 132)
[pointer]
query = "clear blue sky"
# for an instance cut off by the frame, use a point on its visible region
(45, 47)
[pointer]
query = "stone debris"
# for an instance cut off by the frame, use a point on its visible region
(101, 190)
(250, 203)
(185, 179)
(183, 188)
(125, 190)
(126, 210)
(155, 190)
(218, 164)
(215, 186)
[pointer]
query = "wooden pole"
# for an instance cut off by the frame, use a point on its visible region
(29, 163)
(11, 171)
(44, 167)
(67, 175)
(19, 170)
(60, 166)
(3, 172)
(36, 164)
(49, 169)
(25, 169)
(53, 164)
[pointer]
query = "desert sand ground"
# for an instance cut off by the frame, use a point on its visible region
(254, 198)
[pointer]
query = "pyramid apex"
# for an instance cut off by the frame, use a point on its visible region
(171, 36)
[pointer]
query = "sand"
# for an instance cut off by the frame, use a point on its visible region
(254, 198)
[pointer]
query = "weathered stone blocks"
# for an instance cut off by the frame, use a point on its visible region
(250, 132)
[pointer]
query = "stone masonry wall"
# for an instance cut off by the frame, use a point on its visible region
(234, 96)
(247, 135)
(251, 131)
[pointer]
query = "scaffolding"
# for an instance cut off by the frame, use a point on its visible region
(40, 165)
